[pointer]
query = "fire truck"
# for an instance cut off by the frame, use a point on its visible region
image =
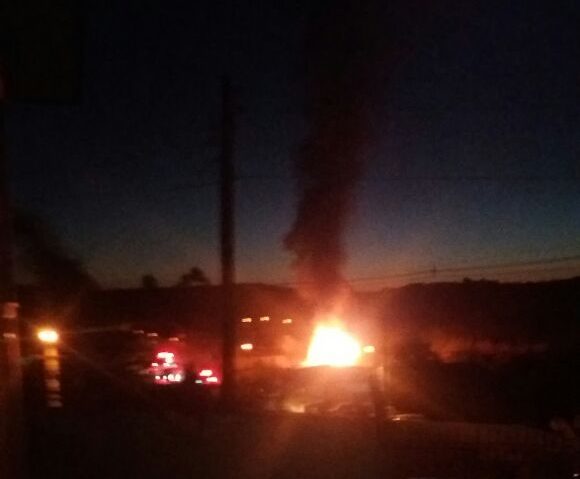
(175, 360)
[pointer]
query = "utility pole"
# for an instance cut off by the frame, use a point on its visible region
(227, 199)
(11, 427)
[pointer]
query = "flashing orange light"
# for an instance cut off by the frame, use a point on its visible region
(368, 349)
(247, 346)
(205, 373)
(48, 336)
(332, 346)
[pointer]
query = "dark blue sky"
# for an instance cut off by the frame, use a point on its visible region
(475, 89)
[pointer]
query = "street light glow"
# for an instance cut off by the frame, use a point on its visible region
(48, 336)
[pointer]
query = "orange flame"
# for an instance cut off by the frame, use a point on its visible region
(331, 345)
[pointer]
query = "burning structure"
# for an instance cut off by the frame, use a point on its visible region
(340, 65)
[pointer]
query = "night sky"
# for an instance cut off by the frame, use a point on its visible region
(474, 159)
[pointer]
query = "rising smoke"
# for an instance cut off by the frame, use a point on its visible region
(340, 63)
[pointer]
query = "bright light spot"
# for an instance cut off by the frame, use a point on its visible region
(332, 346)
(168, 357)
(198, 381)
(246, 320)
(368, 349)
(157, 378)
(287, 321)
(154, 365)
(152, 335)
(204, 373)
(164, 378)
(171, 377)
(212, 379)
(247, 346)
(265, 318)
(49, 336)
(178, 377)
(296, 408)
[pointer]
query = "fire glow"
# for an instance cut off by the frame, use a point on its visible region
(332, 346)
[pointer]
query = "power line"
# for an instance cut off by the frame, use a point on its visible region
(141, 193)
(541, 271)
(419, 178)
(513, 272)
(434, 272)
(437, 178)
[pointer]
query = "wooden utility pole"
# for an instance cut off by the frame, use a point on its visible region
(227, 199)
(11, 428)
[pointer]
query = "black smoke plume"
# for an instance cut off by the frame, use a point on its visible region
(341, 66)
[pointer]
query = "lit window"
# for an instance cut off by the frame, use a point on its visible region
(246, 320)
(265, 318)
(247, 346)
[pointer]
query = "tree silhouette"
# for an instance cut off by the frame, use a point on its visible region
(195, 276)
(148, 281)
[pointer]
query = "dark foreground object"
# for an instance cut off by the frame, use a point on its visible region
(146, 444)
